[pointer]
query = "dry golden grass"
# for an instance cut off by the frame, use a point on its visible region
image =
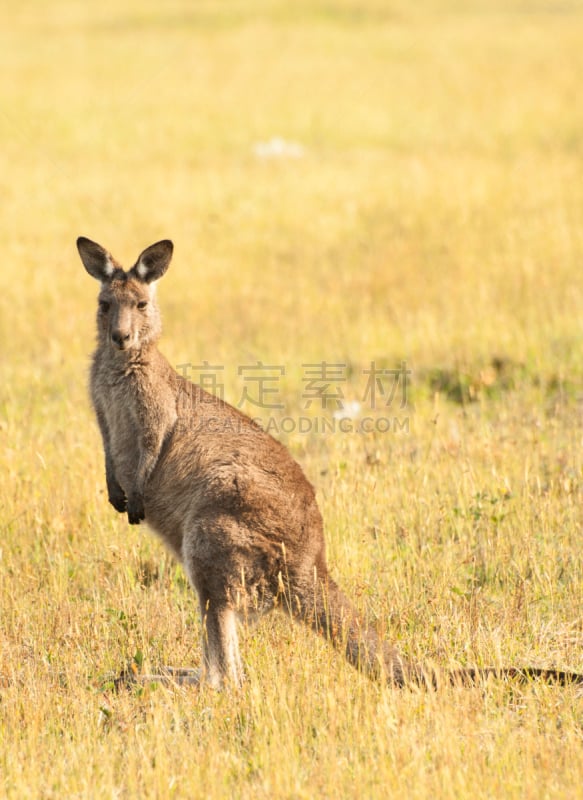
(434, 217)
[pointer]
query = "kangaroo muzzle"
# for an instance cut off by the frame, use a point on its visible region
(121, 339)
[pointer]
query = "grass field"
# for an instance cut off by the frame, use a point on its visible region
(428, 210)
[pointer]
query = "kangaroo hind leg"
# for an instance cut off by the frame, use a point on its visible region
(222, 660)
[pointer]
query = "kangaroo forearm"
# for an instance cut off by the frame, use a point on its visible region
(147, 463)
(115, 493)
(135, 501)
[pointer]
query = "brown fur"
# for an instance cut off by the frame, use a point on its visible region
(227, 499)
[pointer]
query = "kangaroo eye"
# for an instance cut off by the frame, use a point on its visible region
(104, 306)
(142, 304)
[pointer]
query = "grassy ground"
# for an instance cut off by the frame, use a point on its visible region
(432, 217)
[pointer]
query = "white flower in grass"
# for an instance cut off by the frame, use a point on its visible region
(276, 147)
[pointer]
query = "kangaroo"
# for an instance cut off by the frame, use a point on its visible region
(226, 498)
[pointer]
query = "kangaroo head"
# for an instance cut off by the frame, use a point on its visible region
(128, 315)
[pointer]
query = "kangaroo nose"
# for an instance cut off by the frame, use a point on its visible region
(120, 339)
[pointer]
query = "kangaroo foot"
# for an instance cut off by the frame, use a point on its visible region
(168, 676)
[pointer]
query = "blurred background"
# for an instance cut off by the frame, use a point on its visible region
(342, 180)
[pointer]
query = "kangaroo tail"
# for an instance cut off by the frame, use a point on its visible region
(331, 614)
(472, 676)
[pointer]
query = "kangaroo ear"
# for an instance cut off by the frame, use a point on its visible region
(97, 261)
(154, 261)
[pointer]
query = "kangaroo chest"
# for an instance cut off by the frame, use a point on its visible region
(138, 409)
